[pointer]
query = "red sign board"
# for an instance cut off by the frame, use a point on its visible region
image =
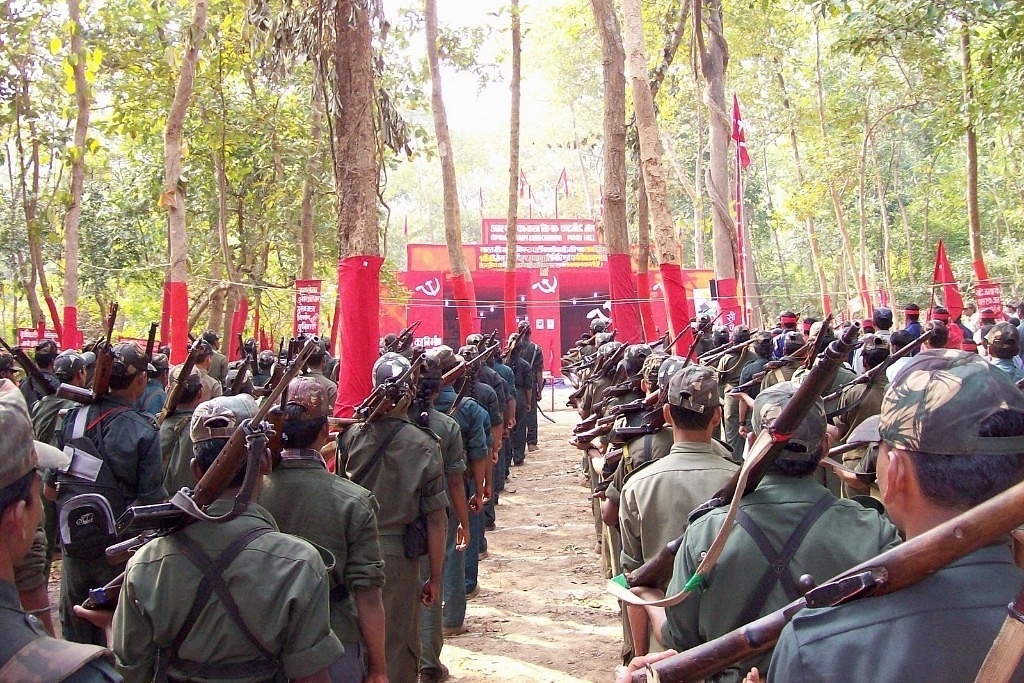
(29, 336)
(426, 305)
(543, 243)
(307, 307)
(989, 295)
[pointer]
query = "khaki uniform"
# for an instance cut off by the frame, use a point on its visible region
(219, 367)
(282, 589)
(407, 478)
(331, 387)
(212, 387)
(176, 450)
(730, 367)
(658, 498)
(332, 512)
(843, 536)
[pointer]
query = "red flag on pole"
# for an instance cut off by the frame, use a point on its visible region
(944, 280)
(406, 229)
(739, 132)
(523, 184)
(563, 182)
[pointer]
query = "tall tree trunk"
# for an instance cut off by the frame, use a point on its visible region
(691, 192)
(886, 221)
(714, 60)
(625, 313)
(462, 278)
(584, 171)
(511, 217)
(70, 338)
(812, 237)
(699, 260)
(973, 213)
(306, 227)
(904, 218)
(173, 198)
(28, 174)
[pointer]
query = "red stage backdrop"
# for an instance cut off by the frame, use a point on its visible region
(426, 305)
(544, 316)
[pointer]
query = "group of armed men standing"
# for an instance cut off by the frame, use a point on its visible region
(929, 419)
(351, 527)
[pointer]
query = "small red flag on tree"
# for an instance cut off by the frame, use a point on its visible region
(739, 132)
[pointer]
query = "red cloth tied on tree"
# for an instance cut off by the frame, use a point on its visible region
(678, 306)
(465, 306)
(359, 289)
(625, 311)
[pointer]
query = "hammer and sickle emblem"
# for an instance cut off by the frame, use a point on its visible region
(546, 286)
(431, 287)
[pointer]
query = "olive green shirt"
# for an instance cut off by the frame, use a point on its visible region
(308, 501)
(46, 417)
(453, 453)
(282, 588)
(845, 535)
(657, 499)
(176, 450)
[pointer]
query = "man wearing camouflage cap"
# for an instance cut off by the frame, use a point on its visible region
(951, 435)
(1003, 346)
(46, 352)
(127, 444)
(26, 652)
(330, 511)
(175, 438)
(789, 526)
(266, 616)
(656, 499)
(7, 366)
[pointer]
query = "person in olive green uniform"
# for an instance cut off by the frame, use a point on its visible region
(792, 341)
(400, 463)
(175, 441)
(789, 523)
(453, 454)
(128, 444)
(947, 417)
(212, 387)
(657, 498)
(218, 361)
(730, 367)
(27, 653)
(308, 501)
(279, 624)
(315, 371)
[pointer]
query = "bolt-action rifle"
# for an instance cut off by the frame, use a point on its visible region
(32, 371)
(104, 362)
(178, 384)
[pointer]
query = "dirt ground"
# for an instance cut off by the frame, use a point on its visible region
(542, 614)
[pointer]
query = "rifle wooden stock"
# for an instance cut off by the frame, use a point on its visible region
(893, 570)
(340, 424)
(151, 341)
(872, 374)
(32, 370)
(104, 357)
(585, 425)
(223, 469)
(763, 453)
(178, 386)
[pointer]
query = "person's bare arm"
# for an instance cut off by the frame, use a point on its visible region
(457, 491)
(370, 614)
(435, 550)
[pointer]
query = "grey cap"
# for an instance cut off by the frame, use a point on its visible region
(808, 436)
(694, 388)
(219, 417)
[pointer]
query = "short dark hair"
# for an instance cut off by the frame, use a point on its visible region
(874, 357)
(190, 392)
(205, 452)
(297, 431)
(20, 490)
(963, 481)
(795, 468)
(689, 419)
(940, 335)
(899, 339)
(121, 382)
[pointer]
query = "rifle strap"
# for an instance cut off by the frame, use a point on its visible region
(213, 582)
(361, 475)
(778, 561)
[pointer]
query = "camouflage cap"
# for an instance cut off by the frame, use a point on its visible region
(806, 441)
(938, 401)
(195, 378)
(6, 362)
(70, 363)
(874, 342)
(1003, 334)
(311, 395)
(652, 364)
(444, 356)
(20, 453)
(129, 360)
(219, 417)
(160, 362)
(694, 388)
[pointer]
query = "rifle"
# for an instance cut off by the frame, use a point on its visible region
(151, 342)
(871, 375)
(178, 387)
(893, 570)
(799, 356)
(104, 362)
(404, 339)
(716, 354)
(764, 451)
(32, 371)
(701, 329)
(386, 394)
(246, 444)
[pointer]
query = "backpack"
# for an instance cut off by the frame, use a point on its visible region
(89, 497)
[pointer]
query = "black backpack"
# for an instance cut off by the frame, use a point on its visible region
(89, 497)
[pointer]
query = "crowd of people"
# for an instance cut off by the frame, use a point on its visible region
(928, 418)
(352, 559)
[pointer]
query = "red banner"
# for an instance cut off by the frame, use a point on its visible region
(307, 307)
(989, 295)
(28, 337)
(544, 314)
(678, 305)
(625, 311)
(731, 312)
(426, 306)
(359, 283)
(945, 282)
(543, 243)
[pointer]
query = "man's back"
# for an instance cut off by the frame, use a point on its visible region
(279, 584)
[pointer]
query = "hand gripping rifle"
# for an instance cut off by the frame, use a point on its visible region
(798, 356)
(874, 373)
(104, 361)
(763, 453)
(32, 371)
(893, 570)
(247, 444)
(178, 386)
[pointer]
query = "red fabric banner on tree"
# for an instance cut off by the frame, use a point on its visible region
(643, 295)
(677, 305)
(176, 298)
(237, 328)
(72, 338)
(510, 299)
(465, 306)
(359, 285)
(622, 288)
(945, 282)
(732, 314)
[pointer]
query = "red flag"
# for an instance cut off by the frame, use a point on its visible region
(943, 278)
(522, 184)
(739, 132)
(406, 228)
(563, 182)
